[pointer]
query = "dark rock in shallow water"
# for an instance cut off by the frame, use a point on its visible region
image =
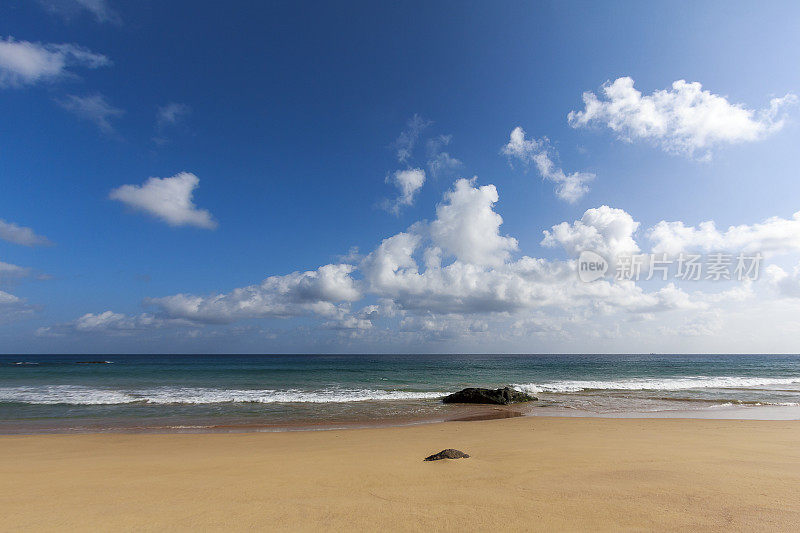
(449, 453)
(503, 396)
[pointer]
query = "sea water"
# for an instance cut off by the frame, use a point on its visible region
(74, 393)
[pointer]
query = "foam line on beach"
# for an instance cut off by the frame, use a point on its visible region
(80, 395)
(684, 383)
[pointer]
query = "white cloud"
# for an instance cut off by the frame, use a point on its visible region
(348, 323)
(515, 287)
(467, 226)
(169, 199)
(570, 187)
(100, 9)
(395, 255)
(407, 140)
(605, 230)
(168, 117)
(295, 294)
(94, 108)
(12, 307)
(110, 323)
(171, 114)
(739, 293)
(20, 235)
(461, 288)
(105, 320)
(411, 180)
(456, 278)
(785, 284)
(440, 162)
(706, 324)
(774, 235)
(408, 182)
(684, 119)
(6, 298)
(26, 63)
(481, 280)
(352, 256)
(8, 271)
(444, 328)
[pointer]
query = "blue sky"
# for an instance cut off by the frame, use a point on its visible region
(287, 119)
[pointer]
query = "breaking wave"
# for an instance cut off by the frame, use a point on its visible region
(78, 395)
(667, 384)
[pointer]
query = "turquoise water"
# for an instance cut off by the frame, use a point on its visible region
(185, 392)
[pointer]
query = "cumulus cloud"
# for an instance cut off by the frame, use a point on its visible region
(299, 293)
(26, 63)
(407, 267)
(407, 274)
(683, 120)
(467, 226)
(169, 199)
(408, 183)
(773, 236)
(786, 284)
(21, 235)
(395, 255)
(94, 108)
(605, 230)
(569, 187)
(456, 277)
(514, 287)
(461, 288)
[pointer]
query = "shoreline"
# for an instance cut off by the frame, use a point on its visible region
(469, 413)
(525, 472)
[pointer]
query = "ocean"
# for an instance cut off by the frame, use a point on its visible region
(78, 393)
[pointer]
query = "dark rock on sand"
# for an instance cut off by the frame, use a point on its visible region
(449, 453)
(503, 396)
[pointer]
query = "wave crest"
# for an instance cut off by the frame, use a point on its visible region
(79, 395)
(695, 382)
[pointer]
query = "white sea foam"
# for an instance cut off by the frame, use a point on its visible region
(82, 395)
(667, 384)
(78, 395)
(68, 394)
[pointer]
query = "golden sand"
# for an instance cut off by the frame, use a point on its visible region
(524, 474)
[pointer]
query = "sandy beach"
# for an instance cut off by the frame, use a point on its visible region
(524, 473)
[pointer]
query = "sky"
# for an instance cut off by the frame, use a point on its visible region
(411, 177)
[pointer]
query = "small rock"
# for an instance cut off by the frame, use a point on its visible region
(449, 453)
